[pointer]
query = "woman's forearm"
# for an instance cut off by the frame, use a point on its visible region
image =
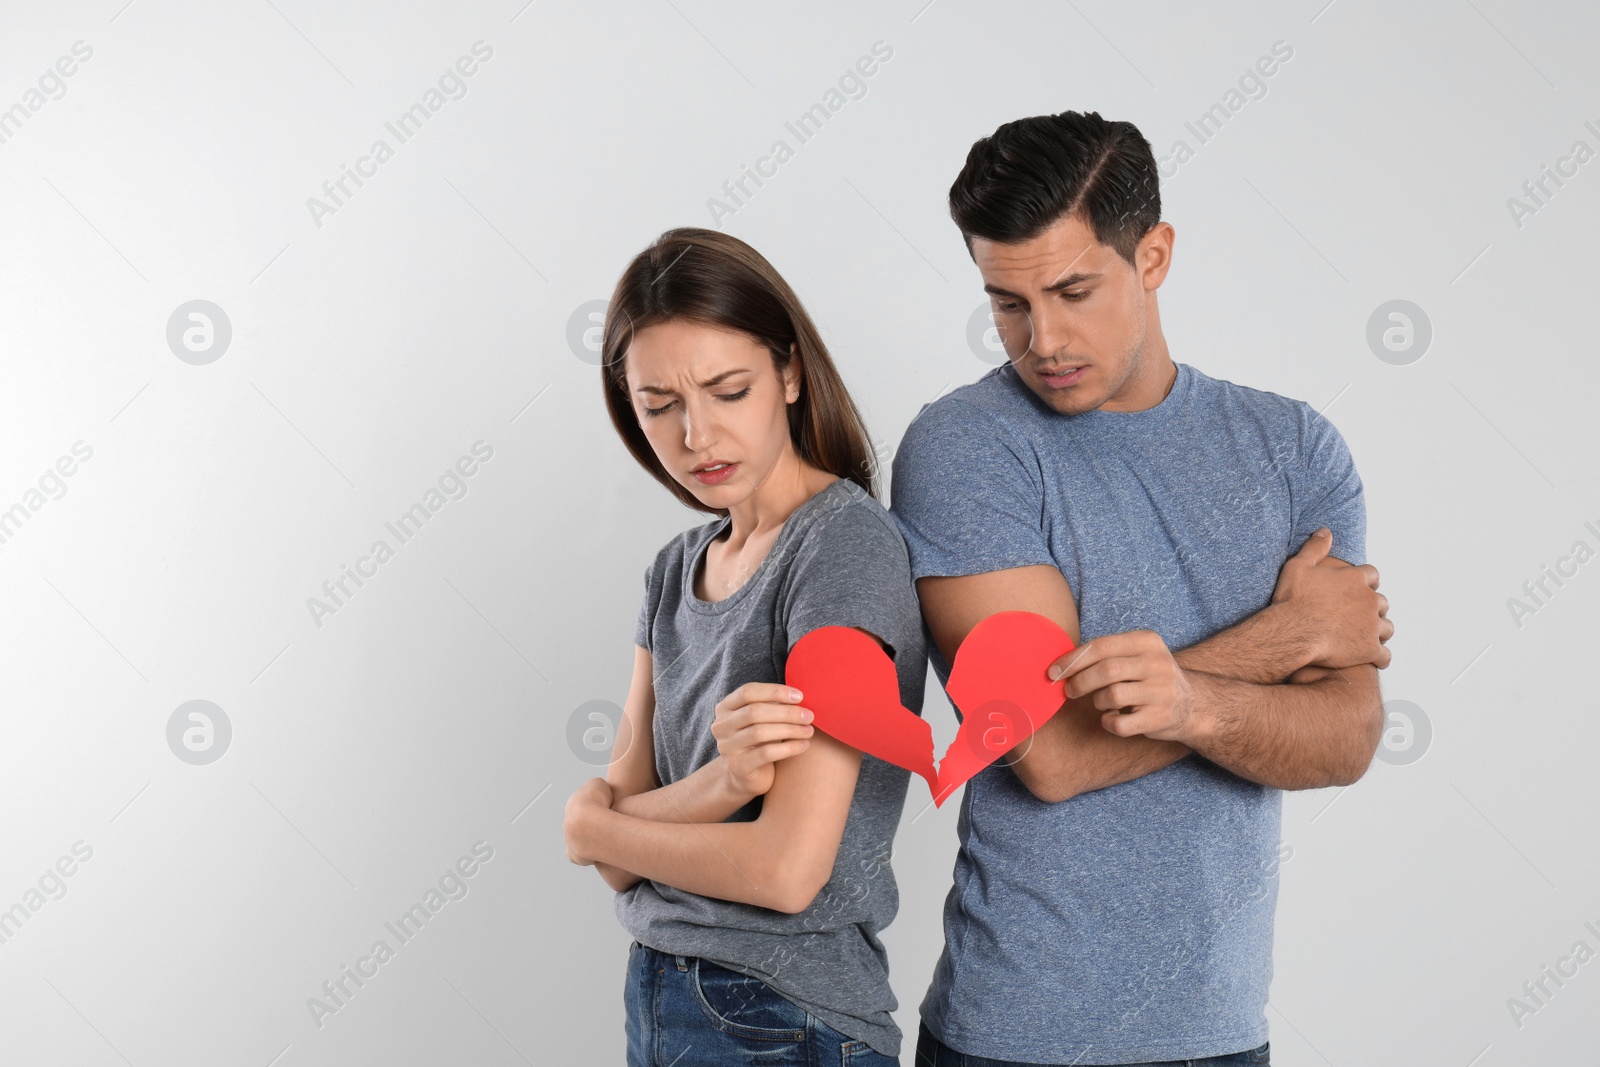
(740, 861)
(707, 795)
(617, 878)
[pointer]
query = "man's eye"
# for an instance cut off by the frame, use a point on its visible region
(1007, 306)
(1079, 295)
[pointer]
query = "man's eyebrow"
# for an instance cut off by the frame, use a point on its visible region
(1065, 283)
(715, 379)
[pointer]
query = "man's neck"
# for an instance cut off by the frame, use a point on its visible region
(1154, 384)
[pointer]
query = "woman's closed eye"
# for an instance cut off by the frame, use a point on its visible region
(651, 412)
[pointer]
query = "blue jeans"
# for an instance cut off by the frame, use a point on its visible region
(931, 1052)
(684, 1011)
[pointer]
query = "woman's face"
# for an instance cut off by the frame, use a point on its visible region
(707, 396)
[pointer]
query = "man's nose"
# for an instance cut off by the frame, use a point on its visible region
(1051, 332)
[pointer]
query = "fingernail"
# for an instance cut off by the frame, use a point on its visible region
(1055, 672)
(795, 694)
(805, 715)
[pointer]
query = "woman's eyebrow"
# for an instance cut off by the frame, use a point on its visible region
(715, 379)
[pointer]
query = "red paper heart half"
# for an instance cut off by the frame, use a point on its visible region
(998, 681)
(850, 686)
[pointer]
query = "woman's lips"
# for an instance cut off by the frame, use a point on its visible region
(716, 476)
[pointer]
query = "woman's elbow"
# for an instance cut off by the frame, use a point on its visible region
(795, 880)
(793, 899)
(619, 880)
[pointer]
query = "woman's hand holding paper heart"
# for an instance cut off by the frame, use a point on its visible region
(757, 725)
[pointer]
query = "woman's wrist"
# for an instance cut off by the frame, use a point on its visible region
(734, 791)
(586, 829)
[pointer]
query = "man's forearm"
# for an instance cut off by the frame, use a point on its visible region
(1306, 736)
(1072, 754)
(1264, 648)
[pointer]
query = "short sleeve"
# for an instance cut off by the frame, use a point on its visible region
(1329, 492)
(966, 495)
(851, 569)
(641, 629)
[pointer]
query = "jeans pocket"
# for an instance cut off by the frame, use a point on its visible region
(861, 1054)
(745, 1007)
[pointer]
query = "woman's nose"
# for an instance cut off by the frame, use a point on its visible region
(698, 432)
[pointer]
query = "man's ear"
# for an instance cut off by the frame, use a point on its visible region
(1155, 255)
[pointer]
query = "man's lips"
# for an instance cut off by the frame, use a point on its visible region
(1063, 377)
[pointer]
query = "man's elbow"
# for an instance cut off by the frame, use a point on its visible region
(1050, 789)
(1365, 733)
(1348, 774)
(1366, 746)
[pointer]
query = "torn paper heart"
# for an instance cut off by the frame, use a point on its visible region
(997, 681)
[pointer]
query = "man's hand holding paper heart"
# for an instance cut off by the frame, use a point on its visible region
(1133, 679)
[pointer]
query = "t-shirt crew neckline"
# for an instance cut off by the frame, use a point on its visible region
(727, 603)
(1170, 404)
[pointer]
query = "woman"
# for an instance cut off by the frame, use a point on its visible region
(750, 854)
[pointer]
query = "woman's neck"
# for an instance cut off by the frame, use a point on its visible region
(774, 500)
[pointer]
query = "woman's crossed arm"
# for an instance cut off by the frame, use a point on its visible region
(630, 827)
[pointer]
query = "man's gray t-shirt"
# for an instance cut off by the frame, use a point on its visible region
(1131, 923)
(839, 560)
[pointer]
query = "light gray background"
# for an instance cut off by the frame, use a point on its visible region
(431, 311)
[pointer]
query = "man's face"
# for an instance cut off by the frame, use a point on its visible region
(1073, 314)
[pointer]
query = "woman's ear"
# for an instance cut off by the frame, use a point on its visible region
(792, 376)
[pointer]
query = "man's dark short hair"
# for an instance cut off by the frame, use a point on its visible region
(1030, 173)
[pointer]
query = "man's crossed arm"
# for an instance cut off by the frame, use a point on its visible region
(1287, 697)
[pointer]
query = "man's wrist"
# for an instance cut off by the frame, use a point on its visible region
(1299, 635)
(1200, 725)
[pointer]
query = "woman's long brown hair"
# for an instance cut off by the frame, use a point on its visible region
(712, 278)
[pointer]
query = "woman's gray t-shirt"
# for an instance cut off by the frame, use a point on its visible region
(839, 560)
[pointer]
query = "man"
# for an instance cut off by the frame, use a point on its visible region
(1117, 875)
